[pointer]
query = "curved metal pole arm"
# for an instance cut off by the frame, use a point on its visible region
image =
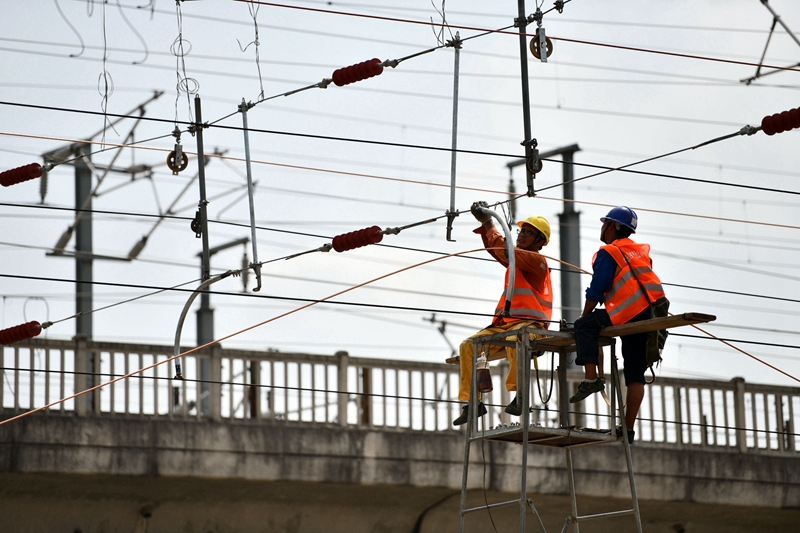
(177, 347)
(512, 264)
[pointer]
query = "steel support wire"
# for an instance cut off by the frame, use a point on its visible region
(255, 265)
(776, 19)
(452, 213)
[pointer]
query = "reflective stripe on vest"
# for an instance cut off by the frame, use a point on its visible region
(527, 302)
(625, 299)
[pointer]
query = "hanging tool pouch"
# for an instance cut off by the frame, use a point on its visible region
(655, 339)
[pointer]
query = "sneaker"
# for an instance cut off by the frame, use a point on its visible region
(587, 388)
(514, 409)
(464, 417)
(631, 434)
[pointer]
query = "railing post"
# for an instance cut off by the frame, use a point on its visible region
(342, 395)
(738, 411)
(678, 415)
(366, 397)
(779, 421)
(214, 388)
(254, 394)
(80, 373)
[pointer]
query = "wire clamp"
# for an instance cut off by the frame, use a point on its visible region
(391, 231)
(454, 43)
(391, 63)
(324, 83)
(748, 130)
(196, 226)
(451, 215)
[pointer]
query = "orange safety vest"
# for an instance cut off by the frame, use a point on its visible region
(527, 302)
(625, 299)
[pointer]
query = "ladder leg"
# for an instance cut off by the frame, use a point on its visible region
(625, 444)
(573, 497)
(523, 395)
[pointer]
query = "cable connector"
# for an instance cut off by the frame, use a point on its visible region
(748, 130)
(559, 5)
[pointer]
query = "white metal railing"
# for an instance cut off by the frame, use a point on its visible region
(226, 384)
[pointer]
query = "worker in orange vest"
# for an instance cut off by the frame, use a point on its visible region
(624, 280)
(531, 303)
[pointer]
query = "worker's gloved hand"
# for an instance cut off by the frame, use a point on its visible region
(478, 214)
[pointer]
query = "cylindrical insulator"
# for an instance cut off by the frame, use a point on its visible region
(780, 122)
(20, 174)
(20, 333)
(357, 239)
(357, 72)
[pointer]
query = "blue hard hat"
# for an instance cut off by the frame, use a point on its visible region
(623, 215)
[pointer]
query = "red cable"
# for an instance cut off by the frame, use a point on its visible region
(20, 174)
(20, 333)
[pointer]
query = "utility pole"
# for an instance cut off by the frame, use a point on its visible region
(569, 232)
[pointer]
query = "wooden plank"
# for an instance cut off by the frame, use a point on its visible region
(654, 324)
(564, 339)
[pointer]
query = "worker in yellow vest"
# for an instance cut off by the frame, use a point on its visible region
(624, 280)
(531, 303)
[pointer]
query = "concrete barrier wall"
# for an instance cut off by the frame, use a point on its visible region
(296, 452)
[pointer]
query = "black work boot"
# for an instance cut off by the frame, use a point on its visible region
(514, 408)
(464, 416)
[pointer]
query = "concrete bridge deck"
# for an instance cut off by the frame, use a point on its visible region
(307, 448)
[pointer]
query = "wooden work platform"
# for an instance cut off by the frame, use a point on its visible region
(553, 437)
(557, 341)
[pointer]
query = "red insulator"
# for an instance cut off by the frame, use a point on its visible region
(780, 122)
(357, 239)
(20, 174)
(20, 333)
(357, 72)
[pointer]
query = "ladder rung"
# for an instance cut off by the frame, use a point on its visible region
(482, 507)
(604, 515)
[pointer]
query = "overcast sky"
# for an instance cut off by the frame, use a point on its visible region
(619, 106)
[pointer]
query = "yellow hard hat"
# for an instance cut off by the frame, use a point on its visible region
(539, 223)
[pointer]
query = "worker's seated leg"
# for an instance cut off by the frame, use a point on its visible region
(464, 416)
(587, 333)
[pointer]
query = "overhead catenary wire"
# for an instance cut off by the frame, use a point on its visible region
(623, 168)
(516, 34)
